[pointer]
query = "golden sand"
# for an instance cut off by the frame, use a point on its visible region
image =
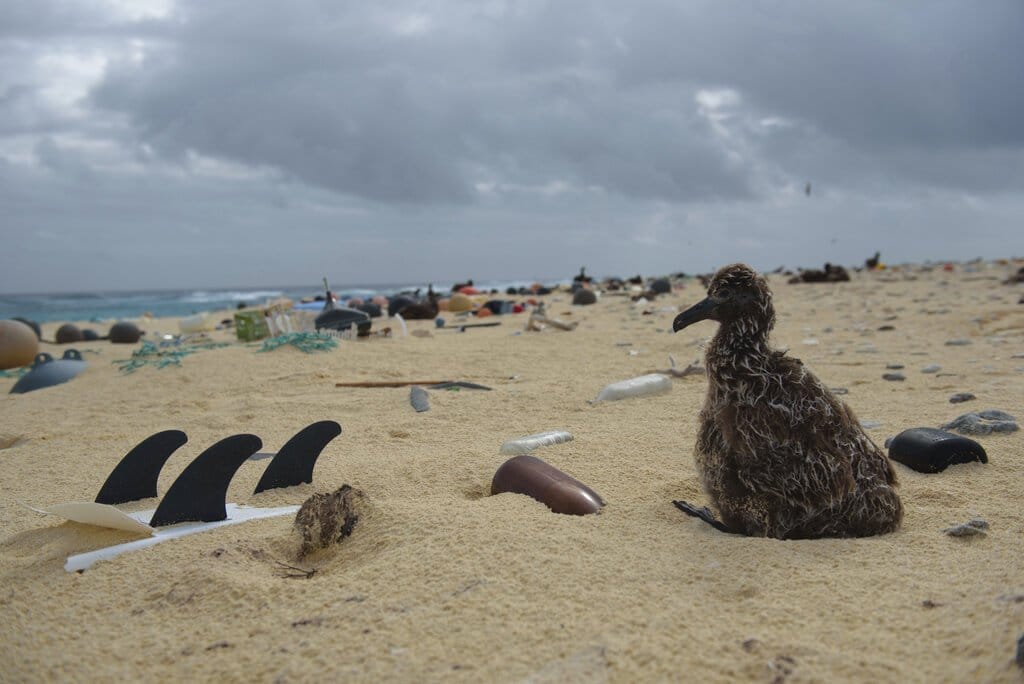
(442, 582)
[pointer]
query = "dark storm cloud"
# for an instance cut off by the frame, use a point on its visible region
(628, 134)
(418, 105)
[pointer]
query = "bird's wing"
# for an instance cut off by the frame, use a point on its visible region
(790, 433)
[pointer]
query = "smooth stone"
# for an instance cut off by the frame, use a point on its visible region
(932, 368)
(894, 366)
(886, 328)
(870, 424)
(961, 397)
(839, 390)
(983, 423)
(959, 342)
(928, 450)
(971, 528)
(894, 377)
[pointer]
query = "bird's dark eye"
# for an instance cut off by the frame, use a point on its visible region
(724, 292)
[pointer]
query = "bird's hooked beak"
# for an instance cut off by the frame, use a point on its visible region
(700, 311)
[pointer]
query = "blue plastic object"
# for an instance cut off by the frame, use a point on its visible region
(47, 371)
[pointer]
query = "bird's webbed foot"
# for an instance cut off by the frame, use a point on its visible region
(705, 514)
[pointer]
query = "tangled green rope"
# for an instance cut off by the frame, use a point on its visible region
(163, 356)
(307, 342)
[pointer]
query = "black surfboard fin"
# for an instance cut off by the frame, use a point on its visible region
(294, 463)
(135, 476)
(200, 491)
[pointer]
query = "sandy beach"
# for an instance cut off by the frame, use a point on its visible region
(442, 582)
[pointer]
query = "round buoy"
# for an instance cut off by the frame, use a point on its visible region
(124, 332)
(583, 297)
(459, 302)
(18, 344)
(68, 333)
(31, 324)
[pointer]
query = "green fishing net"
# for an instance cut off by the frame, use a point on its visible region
(307, 342)
(163, 355)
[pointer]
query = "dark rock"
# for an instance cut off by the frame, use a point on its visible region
(959, 342)
(983, 423)
(894, 366)
(894, 377)
(961, 397)
(928, 450)
(886, 328)
(1020, 645)
(90, 335)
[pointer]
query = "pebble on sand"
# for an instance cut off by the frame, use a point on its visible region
(972, 528)
(984, 422)
(961, 397)
(894, 377)
(932, 368)
(959, 342)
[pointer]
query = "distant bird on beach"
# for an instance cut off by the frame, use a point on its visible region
(777, 453)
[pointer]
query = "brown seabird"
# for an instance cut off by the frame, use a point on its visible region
(778, 454)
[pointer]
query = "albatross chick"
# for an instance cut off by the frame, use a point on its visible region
(777, 453)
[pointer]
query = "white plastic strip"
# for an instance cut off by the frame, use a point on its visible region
(236, 514)
(645, 385)
(101, 515)
(525, 445)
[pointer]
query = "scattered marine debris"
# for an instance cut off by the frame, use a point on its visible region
(558, 491)
(168, 353)
(526, 445)
(419, 399)
(645, 385)
(307, 342)
(692, 369)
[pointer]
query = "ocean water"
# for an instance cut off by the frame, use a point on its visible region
(110, 306)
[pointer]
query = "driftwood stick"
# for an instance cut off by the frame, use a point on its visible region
(388, 383)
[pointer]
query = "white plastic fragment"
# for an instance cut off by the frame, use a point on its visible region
(236, 514)
(525, 445)
(645, 385)
(101, 515)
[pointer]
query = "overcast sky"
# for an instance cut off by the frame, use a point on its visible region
(198, 143)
